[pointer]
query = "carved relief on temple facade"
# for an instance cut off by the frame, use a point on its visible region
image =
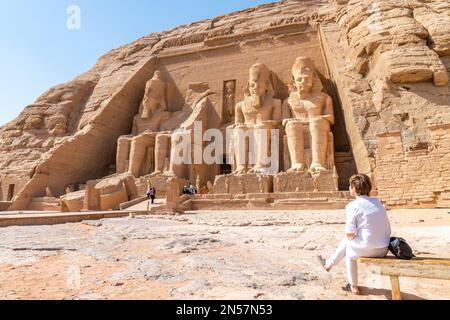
(229, 101)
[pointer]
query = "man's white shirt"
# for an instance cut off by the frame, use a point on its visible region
(368, 219)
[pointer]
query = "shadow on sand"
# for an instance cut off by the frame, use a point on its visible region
(387, 293)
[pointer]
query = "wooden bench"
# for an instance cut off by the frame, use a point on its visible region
(418, 268)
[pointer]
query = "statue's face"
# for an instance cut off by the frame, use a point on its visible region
(257, 85)
(304, 80)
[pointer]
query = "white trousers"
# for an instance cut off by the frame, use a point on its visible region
(351, 252)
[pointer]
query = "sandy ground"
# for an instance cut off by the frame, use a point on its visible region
(206, 255)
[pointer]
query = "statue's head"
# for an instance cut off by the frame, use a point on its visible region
(259, 81)
(229, 86)
(259, 84)
(304, 73)
(157, 75)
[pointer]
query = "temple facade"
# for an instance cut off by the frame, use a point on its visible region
(271, 107)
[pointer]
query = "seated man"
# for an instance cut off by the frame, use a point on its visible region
(367, 230)
(186, 190)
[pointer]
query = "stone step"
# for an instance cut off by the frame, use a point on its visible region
(336, 205)
(330, 194)
(225, 196)
(279, 196)
(56, 218)
(265, 204)
(303, 200)
(212, 204)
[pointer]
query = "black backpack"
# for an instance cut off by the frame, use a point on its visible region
(401, 249)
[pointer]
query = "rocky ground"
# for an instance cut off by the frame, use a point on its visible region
(205, 255)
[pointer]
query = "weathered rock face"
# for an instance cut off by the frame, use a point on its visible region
(390, 65)
(385, 63)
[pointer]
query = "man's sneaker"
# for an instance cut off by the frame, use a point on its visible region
(323, 263)
(349, 288)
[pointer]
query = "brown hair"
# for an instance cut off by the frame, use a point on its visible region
(362, 184)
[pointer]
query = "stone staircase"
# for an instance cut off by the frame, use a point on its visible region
(273, 201)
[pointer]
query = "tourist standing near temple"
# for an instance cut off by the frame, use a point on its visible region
(151, 194)
(367, 230)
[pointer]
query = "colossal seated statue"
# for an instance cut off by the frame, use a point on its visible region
(308, 106)
(196, 111)
(148, 149)
(255, 117)
(148, 135)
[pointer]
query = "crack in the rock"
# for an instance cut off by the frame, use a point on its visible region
(41, 249)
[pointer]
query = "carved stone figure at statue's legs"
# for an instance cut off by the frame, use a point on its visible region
(123, 153)
(296, 145)
(320, 129)
(139, 145)
(162, 151)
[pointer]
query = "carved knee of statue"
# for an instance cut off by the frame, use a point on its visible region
(241, 147)
(123, 153)
(296, 144)
(320, 129)
(138, 153)
(162, 151)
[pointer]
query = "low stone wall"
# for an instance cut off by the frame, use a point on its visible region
(242, 184)
(131, 203)
(305, 182)
(273, 201)
(415, 178)
(52, 219)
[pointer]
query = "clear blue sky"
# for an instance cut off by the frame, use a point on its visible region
(38, 51)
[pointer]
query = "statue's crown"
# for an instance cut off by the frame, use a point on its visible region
(302, 62)
(261, 70)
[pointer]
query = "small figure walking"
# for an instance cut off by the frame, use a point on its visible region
(151, 194)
